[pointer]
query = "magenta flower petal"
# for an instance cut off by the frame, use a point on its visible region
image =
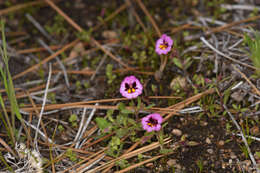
(163, 44)
(152, 122)
(131, 87)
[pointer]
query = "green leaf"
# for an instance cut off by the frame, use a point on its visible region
(165, 151)
(131, 121)
(254, 46)
(188, 63)
(73, 118)
(258, 154)
(121, 106)
(127, 111)
(226, 96)
(177, 62)
(102, 123)
(121, 119)
(139, 102)
(121, 132)
(71, 155)
(150, 106)
(109, 115)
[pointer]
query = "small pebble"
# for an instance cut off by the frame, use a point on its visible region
(247, 162)
(203, 123)
(210, 151)
(177, 132)
(208, 141)
(221, 143)
(232, 155)
(171, 162)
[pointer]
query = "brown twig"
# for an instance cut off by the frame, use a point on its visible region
(46, 59)
(20, 6)
(140, 163)
(248, 80)
(78, 28)
(138, 19)
(116, 12)
(130, 155)
(2, 142)
(229, 25)
(39, 49)
(186, 102)
(142, 6)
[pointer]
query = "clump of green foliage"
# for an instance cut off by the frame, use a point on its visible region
(254, 46)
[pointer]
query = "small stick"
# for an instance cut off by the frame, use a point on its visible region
(251, 137)
(240, 7)
(121, 8)
(138, 19)
(39, 27)
(139, 164)
(142, 6)
(38, 131)
(32, 50)
(222, 54)
(243, 138)
(80, 127)
(43, 105)
(229, 25)
(86, 125)
(2, 142)
(19, 6)
(246, 78)
(78, 28)
(98, 67)
(82, 168)
(63, 68)
(46, 59)
(131, 154)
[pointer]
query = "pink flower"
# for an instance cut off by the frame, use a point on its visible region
(163, 44)
(152, 122)
(131, 87)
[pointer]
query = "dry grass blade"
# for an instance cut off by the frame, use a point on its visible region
(221, 28)
(33, 50)
(46, 59)
(130, 155)
(78, 28)
(139, 164)
(246, 78)
(142, 6)
(84, 103)
(7, 147)
(116, 12)
(138, 19)
(19, 7)
(186, 102)
(84, 160)
(222, 54)
(243, 138)
(90, 163)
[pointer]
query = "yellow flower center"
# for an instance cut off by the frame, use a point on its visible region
(131, 90)
(150, 124)
(163, 46)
